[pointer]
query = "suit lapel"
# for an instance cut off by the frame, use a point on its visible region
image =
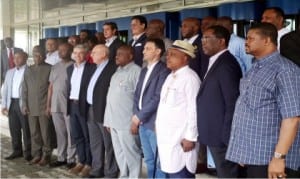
(154, 72)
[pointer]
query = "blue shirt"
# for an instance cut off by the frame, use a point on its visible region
(236, 47)
(269, 93)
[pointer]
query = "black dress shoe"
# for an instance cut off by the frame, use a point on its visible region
(13, 156)
(57, 164)
(28, 158)
(70, 165)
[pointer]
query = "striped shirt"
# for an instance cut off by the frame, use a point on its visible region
(269, 93)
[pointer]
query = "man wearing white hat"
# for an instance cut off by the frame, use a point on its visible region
(176, 122)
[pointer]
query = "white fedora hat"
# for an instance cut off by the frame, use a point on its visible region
(185, 47)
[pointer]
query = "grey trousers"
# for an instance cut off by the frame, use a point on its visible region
(127, 152)
(65, 150)
(40, 136)
(103, 158)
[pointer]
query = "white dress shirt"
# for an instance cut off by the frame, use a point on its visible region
(17, 79)
(281, 33)
(177, 120)
(135, 38)
(97, 73)
(213, 59)
(76, 80)
(192, 39)
(109, 41)
(52, 58)
(148, 73)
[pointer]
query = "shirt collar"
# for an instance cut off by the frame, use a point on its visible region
(126, 67)
(103, 63)
(80, 65)
(180, 70)
(151, 66)
(21, 67)
(192, 39)
(111, 39)
(266, 59)
(136, 37)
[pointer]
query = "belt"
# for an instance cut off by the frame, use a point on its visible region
(75, 101)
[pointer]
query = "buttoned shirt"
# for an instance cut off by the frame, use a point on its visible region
(281, 33)
(236, 47)
(76, 80)
(109, 41)
(177, 120)
(269, 93)
(97, 73)
(17, 79)
(119, 103)
(213, 59)
(52, 58)
(149, 71)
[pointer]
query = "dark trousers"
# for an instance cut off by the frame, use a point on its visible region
(18, 124)
(80, 135)
(184, 173)
(104, 162)
(261, 171)
(225, 168)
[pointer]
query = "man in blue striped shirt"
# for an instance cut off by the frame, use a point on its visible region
(265, 138)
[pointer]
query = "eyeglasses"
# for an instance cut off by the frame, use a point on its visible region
(205, 38)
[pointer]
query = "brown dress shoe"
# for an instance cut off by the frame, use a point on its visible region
(77, 169)
(35, 160)
(85, 172)
(44, 161)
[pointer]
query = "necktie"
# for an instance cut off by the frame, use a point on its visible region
(11, 59)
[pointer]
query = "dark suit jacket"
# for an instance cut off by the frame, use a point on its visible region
(216, 101)
(113, 48)
(290, 46)
(200, 63)
(86, 76)
(101, 89)
(151, 94)
(138, 49)
(4, 61)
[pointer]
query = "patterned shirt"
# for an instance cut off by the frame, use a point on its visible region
(269, 93)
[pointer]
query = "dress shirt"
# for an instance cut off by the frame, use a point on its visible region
(52, 58)
(76, 80)
(176, 120)
(17, 79)
(8, 51)
(135, 38)
(192, 39)
(110, 41)
(281, 32)
(269, 93)
(236, 47)
(148, 73)
(213, 59)
(97, 73)
(119, 103)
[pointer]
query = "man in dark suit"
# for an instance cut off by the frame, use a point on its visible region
(216, 98)
(110, 31)
(79, 76)
(290, 46)
(138, 28)
(146, 99)
(104, 163)
(7, 56)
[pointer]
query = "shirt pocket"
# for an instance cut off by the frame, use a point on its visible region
(173, 97)
(126, 86)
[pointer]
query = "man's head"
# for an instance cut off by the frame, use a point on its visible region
(100, 37)
(20, 58)
(99, 54)
(110, 29)
(65, 51)
(83, 35)
(138, 25)
(79, 53)
(261, 40)
(155, 29)
(91, 42)
(207, 22)
(153, 49)
(73, 40)
(190, 27)
(9, 43)
(226, 22)
(51, 45)
(124, 55)
(38, 54)
(215, 39)
(275, 16)
(179, 54)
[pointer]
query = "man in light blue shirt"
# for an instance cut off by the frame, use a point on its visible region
(236, 44)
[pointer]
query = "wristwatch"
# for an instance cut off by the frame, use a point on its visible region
(279, 155)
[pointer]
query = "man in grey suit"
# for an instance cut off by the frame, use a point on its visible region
(34, 99)
(57, 106)
(7, 56)
(11, 105)
(118, 113)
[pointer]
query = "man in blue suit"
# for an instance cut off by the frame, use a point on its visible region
(146, 101)
(216, 98)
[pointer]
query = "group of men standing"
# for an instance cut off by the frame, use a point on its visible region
(206, 96)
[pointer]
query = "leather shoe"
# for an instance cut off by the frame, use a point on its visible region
(13, 156)
(77, 169)
(44, 162)
(28, 158)
(35, 160)
(70, 165)
(85, 172)
(57, 164)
